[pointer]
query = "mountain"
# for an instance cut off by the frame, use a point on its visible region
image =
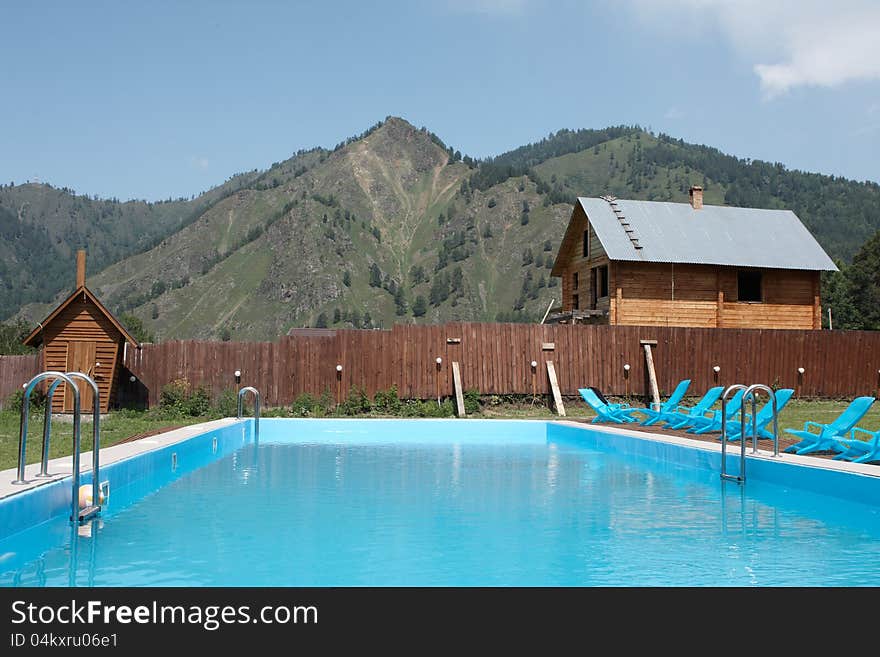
(393, 226)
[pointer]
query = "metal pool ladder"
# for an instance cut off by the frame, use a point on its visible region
(256, 393)
(76, 514)
(748, 393)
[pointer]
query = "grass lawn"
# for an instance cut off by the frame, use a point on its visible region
(121, 425)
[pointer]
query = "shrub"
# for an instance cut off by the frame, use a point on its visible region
(227, 403)
(37, 401)
(179, 399)
(387, 401)
(471, 401)
(304, 405)
(356, 403)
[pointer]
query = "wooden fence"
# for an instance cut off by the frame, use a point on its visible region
(16, 370)
(496, 359)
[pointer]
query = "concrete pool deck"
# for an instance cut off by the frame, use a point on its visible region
(62, 467)
(710, 442)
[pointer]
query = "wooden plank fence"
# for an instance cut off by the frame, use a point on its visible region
(495, 358)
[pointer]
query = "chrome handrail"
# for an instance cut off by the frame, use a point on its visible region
(256, 393)
(47, 429)
(769, 391)
(23, 427)
(742, 465)
(96, 445)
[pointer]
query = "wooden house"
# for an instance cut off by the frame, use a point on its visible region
(81, 335)
(654, 263)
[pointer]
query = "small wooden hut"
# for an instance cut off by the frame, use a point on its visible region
(81, 335)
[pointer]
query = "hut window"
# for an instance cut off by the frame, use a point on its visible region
(587, 243)
(603, 280)
(575, 305)
(748, 286)
(574, 281)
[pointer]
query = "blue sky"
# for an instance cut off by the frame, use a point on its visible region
(166, 99)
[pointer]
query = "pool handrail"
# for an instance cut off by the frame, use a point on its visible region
(751, 391)
(742, 463)
(96, 448)
(47, 429)
(256, 393)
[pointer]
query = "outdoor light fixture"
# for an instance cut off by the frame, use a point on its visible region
(132, 378)
(534, 364)
(626, 367)
(439, 360)
(238, 376)
(339, 368)
(716, 369)
(800, 370)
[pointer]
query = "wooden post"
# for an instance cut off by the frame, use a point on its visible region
(652, 376)
(617, 302)
(554, 386)
(456, 382)
(719, 311)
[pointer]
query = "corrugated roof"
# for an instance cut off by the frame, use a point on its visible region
(712, 235)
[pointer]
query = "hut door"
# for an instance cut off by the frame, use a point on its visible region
(80, 358)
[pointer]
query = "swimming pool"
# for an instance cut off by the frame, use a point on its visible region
(448, 503)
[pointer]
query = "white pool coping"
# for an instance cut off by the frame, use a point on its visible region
(734, 448)
(62, 467)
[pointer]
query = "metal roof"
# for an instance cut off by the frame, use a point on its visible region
(712, 235)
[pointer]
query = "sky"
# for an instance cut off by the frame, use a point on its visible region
(168, 99)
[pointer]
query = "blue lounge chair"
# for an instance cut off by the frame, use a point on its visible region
(857, 450)
(829, 434)
(681, 416)
(764, 417)
(707, 423)
(652, 415)
(605, 412)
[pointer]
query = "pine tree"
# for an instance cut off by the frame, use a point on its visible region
(375, 276)
(420, 306)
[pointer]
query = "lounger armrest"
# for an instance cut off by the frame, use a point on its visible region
(853, 431)
(809, 424)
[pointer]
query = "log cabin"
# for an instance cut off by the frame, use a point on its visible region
(81, 335)
(650, 263)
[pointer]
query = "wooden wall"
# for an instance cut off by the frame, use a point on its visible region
(495, 359)
(582, 265)
(659, 294)
(83, 322)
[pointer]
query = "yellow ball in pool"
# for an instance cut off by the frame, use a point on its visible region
(85, 496)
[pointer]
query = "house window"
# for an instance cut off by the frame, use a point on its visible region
(748, 285)
(587, 243)
(575, 302)
(574, 281)
(603, 281)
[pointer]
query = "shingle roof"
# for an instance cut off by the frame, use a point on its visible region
(712, 235)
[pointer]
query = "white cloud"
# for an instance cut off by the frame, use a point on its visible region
(199, 162)
(790, 43)
(673, 114)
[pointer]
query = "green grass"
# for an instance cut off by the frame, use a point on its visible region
(120, 425)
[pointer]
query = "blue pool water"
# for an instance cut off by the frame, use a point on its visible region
(459, 503)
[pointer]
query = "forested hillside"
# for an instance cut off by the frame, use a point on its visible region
(389, 226)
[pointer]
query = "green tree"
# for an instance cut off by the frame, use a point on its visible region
(11, 336)
(337, 315)
(420, 306)
(375, 276)
(321, 322)
(346, 278)
(136, 327)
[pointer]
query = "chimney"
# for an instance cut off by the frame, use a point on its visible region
(80, 269)
(696, 194)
